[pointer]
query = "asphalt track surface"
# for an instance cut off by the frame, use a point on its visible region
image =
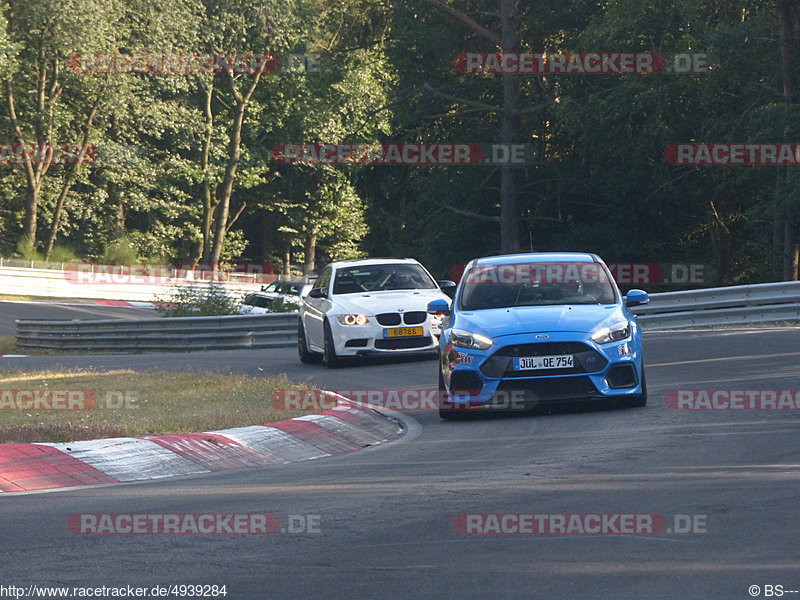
(386, 513)
(68, 309)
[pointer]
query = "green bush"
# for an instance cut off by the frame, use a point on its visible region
(26, 250)
(63, 254)
(120, 252)
(197, 301)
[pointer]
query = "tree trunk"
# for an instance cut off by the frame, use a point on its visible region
(225, 189)
(507, 42)
(309, 264)
(791, 248)
(208, 194)
(786, 244)
(509, 202)
(287, 258)
(715, 232)
(777, 241)
(34, 169)
(29, 222)
(48, 91)
(70, 177)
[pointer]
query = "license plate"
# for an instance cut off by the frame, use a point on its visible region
(403, 332)
(562, 361)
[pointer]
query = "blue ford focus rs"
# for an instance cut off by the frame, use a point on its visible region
(524, 330)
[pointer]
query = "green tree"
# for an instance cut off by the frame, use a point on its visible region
(39, 114)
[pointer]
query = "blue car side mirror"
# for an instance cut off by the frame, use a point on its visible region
(636, 298)
(439, 306)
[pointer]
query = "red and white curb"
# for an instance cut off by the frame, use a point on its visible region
(133, 304)
(345, 428)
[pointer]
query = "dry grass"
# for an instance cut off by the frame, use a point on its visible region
(136, 404)
(22, 298)
(8, 345)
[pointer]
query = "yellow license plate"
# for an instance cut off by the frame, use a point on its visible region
(403, 332)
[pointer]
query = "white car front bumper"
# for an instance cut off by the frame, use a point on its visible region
(371, 338)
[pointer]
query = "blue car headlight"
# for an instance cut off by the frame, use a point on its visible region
(615, 333)
(465, 339)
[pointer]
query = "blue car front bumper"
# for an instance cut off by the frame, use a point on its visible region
(489, 378)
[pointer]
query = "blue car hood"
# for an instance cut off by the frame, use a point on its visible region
(582, 318)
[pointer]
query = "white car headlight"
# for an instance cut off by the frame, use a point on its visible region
(615, 333)
(352, 319)
(465, 339)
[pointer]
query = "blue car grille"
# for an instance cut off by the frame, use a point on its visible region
(552, 389)
(622, 376)
(465, 382)
(586, 359)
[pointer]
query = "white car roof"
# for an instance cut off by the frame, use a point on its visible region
(373, 261)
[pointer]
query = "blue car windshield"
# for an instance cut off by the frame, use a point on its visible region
(535, 284)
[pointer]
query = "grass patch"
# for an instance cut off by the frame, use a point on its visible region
(136, 404)
(8, 345)
(21, 298)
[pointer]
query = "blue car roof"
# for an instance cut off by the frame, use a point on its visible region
(532, 257)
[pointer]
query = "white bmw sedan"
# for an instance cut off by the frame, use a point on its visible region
(369, 307)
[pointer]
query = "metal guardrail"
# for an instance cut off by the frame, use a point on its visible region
(734, 305)
(177, 334)
(737, 305)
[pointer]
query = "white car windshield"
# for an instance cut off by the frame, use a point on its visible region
(288, 288)
(535, 284)
(373, 278)
(258, 301)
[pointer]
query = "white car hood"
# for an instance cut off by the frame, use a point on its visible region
(372, 303)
